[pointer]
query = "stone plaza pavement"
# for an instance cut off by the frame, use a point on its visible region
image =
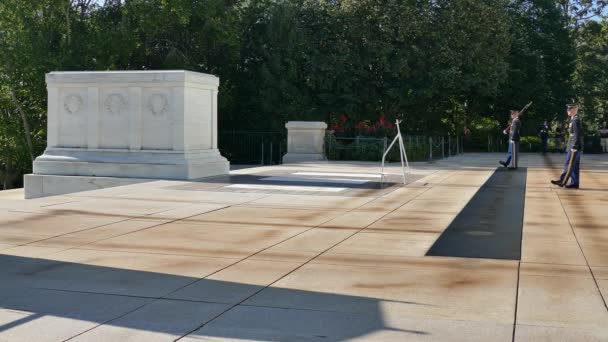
(315, 252)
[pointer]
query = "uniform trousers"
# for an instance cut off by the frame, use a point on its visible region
(513, 153)
(571, 168)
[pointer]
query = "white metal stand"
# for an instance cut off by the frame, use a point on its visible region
(402, 154)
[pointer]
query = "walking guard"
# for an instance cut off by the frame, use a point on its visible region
(514, 135)
(573, 158)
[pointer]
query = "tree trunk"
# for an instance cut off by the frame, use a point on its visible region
(26, 126)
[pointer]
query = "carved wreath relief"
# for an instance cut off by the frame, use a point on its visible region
(73, 103)
(115, 104)
(158, 104)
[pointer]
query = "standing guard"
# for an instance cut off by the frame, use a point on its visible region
(544, 135)
(513, 154)
(573, 158)
(604, 137)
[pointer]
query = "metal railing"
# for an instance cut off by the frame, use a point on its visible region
(268, 148)
(245, 147)
(418, 148)
(591, 144)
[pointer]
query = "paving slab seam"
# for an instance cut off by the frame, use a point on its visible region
(172, 200)
(295, 269)
(164, 297)
(299, 309)
(373, 267)
(125, 295)
(77, 231)
(359, 313)
(521, 240)
(516, 300)
(316, 262)
(88, 292)
(131, 218)
(553, 326)
(119, 197)
(152, 299)
(550, 263)
(282, 259)
(106, 321)
(288, 207)
(160, 223)
(143, 253)
(597, 286)
(50, 205)
(269, 247)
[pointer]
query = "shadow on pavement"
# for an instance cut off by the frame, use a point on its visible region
(490, 225)
(45, 299)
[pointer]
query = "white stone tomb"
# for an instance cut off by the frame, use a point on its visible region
(130, 125)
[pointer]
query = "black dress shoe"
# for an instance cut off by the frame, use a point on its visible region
(571, 186)
(503, 163)
(556, 182)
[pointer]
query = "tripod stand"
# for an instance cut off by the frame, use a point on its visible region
(402, 154)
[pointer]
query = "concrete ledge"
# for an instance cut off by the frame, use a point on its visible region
(306, 125)
(50, 185)
(134, 170)
(125, 164)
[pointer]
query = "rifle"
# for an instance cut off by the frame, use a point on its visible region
(508, 128)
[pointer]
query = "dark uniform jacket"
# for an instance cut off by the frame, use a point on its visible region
(544, 131)
(515, 127)
(575, 141)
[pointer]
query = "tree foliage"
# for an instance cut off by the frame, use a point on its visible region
(591, 76)
(441, 65)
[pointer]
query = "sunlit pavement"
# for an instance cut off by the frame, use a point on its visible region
(315, 252)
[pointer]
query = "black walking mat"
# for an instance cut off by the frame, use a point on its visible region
(490, 225)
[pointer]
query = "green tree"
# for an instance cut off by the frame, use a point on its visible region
(541, 63)
(591, 77)
(34, 39)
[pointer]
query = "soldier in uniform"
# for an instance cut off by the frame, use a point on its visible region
(513, 154)
(604, 137)
(573, 158)
(544, 135)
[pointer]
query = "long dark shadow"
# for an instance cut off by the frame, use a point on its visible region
(490, 225)
(167, 303)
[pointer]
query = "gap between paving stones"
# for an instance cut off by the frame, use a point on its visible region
(165, 296)
(432, 185)
(152, 299)
(523, 216)
(160, 223)
(552, 167)
(147, 216)
(297, 268)
(243, 258)
(597, 286)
